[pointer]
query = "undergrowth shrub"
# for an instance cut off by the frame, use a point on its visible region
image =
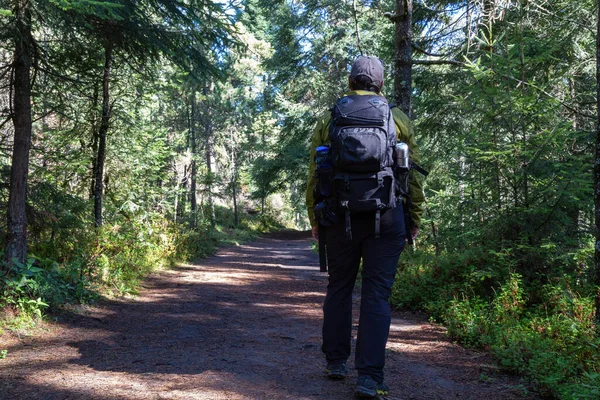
(114, 258)
(543, 330)
(31, 287)
(124, 253)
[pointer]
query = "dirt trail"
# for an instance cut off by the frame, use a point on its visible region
(244, 324)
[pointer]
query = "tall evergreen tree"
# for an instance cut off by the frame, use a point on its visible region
(24, 54)
(143, 31)
(597, 174)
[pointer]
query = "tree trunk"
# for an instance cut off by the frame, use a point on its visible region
(597, 173)
(236, 220)
(194, 170)
(210, 144)
(94, 124)
(176, 204)
(403, 53)
(180, 210)
(16, 245)
(104, 122)
(210, 178)
(524, 138)
(573, 211)
(234, 179)
(263, 183)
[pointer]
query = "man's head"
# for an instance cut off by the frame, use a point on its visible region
(366, 74)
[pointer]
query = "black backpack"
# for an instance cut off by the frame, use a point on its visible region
(363, 136)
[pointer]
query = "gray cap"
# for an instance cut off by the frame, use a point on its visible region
(370, 67)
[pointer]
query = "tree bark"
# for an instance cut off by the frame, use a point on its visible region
(104, 123)
(94, 144)
(180, 210)
(176, 203)
(524, 137)
(573, 211)
(403, 59)
(597, 173)
(16, 245)
(236, 220)
(194, 168)
(234, 177)
(210, 145)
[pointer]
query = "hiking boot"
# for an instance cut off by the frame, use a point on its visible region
(336, 371)
(368, 388)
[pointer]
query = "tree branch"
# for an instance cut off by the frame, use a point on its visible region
(356, 26)
(433, 10)
(423, 51)
(8, 118)
(392, 17)
(438, 62)
(565, 105)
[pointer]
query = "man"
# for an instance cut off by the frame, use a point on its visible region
(379, 252)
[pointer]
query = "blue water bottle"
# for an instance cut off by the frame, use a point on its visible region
(324, 170)
(322, 158)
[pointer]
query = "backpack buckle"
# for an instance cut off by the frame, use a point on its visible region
(344, 204)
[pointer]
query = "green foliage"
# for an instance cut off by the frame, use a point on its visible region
(116, 258)
(555, 345)
(124, 253)
(543, 332)
(465, 320)
(22, 288)
(33, 287)
(3, 354)
(204, 240)
(167, 106)
(100, 9)
(506, 258)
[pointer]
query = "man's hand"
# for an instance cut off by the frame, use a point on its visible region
(315, 232)
(414, 232)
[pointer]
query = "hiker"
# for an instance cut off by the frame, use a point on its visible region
(365, 219)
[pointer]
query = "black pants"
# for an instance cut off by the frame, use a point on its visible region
(380, 259)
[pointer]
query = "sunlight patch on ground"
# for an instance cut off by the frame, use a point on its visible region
(400, 325)
(417, 347)
(271, 265)
(250, 247)
(89, 383)
(158, 297)
(231, 278)
(294, 311)
(241, 264)
(298, 267)
(85, 382)
(227, 304)
(294, 295)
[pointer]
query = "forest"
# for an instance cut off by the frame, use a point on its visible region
(137, 134)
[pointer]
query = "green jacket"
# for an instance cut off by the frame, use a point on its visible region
(405, 133)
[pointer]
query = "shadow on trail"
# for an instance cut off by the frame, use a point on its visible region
(247, 313)
(244, 324)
